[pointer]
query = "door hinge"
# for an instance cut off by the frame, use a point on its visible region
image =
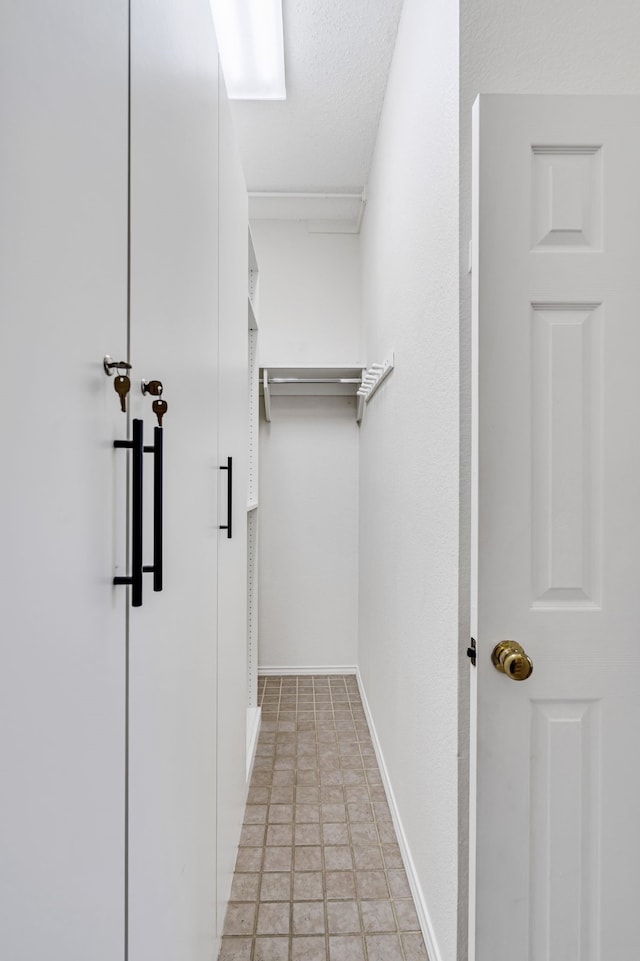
(471, 651)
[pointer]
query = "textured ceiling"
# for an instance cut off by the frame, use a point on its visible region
(320, 139)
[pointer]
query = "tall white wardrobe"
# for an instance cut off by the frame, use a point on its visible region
(123, 231)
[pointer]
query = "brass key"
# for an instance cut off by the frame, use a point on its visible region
(159, 408)
(121, 385)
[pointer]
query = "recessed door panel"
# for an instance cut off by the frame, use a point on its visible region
(566, 454)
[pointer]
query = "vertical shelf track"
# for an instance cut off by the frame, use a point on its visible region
(252, 606)
(252, 493)
(253, 418)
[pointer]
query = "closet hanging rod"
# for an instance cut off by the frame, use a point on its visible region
(314, 380)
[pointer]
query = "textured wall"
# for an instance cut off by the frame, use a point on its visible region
(309, 294)
(309, 314)
(308, 597)
(408, 638)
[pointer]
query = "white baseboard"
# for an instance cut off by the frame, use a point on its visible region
(254, 719)
(287, 671)
(424, 918)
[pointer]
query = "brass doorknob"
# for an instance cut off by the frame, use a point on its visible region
(509, 658)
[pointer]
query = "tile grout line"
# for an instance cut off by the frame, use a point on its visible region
(384, 860)
(264, 846)
(322, 844)
(365, 950)
(293, 829)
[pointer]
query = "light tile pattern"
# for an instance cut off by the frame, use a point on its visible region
(319, 875)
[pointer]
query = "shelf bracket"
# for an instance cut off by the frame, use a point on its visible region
(372, 377)
(360, 399)
(267, 394)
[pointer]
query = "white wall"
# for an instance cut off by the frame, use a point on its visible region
(309, 294)
(408, 638)
(309, 314)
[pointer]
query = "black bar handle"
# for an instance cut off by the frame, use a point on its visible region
(158, 435)
(135, 580)
(136, 515)
(156, 567)
(229, 468)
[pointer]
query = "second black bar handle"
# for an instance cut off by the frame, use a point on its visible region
(158, 435)
(157, 451)
(229, 469)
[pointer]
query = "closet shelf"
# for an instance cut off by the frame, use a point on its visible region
(341, 380)
(251, 506)
(354, 380)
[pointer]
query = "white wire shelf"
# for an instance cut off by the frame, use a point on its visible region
(354, 380)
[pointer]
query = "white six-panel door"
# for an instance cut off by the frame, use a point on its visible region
(63, 229)
(557, 513)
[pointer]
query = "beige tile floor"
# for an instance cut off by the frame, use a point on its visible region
(319, 875)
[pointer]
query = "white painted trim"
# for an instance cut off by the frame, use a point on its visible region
(424, 918)
(254, 720)
(321, 669)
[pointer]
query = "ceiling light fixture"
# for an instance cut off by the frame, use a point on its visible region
(250, 38)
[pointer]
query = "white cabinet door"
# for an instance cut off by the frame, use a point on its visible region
(232, 551)
(63, 229)
(557, 341)
(172, 646)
